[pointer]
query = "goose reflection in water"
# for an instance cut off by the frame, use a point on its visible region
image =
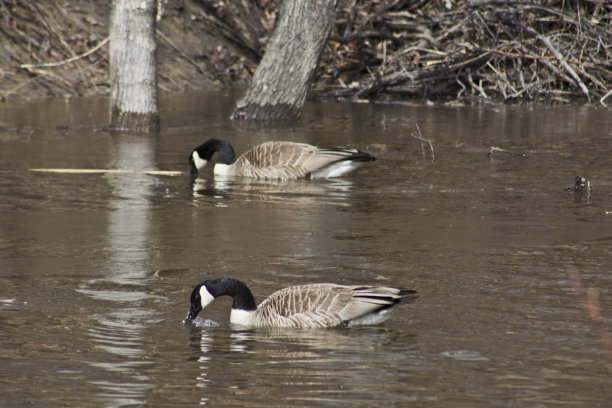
(304, 192)
(313, 363)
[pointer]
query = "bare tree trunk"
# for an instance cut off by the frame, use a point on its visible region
(280, 83)
(133, 65)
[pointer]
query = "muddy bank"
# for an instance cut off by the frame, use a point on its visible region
(442, 51)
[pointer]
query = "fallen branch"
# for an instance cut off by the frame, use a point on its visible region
(66, 61)
(544, 57)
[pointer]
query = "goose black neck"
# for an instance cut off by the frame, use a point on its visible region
(243, 298)
(222, 146)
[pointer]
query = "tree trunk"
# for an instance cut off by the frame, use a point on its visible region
(280, 83)
(133, 65)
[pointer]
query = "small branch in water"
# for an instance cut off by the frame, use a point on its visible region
(422, 139)
(497, 149)
(110, 171)
(589, 300)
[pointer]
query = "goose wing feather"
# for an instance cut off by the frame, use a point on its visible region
(323, 305)
(288, 160)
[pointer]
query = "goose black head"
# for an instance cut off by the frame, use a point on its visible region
(196, 303)
(201, 155)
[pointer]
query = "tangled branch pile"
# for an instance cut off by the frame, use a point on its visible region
(552, 51)
(450, 50)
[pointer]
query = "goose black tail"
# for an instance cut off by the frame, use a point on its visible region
(361, 157)
(355, 155)
(408, 296)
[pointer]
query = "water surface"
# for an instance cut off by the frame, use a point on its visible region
(96, 270)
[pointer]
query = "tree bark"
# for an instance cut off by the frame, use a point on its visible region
(133, 65)
(280, 83)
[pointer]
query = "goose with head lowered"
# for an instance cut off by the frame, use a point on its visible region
(277, 160)
(310, 306)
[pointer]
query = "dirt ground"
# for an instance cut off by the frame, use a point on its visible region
(445, 51)
(47, 50)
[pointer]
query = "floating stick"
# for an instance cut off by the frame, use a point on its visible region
(110, 171)
(497, 149)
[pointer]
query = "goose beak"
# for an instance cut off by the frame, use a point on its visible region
(194, 169)
(193, 313)
(196, 162)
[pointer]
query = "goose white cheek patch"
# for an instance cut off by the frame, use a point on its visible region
(205, 297)
(199, 162)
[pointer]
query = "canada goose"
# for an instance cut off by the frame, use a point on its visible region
(278, 160)
(315, 305)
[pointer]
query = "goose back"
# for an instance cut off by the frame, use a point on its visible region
(326, 305)
(288, 160)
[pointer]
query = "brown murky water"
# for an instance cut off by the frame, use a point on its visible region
(96, 270)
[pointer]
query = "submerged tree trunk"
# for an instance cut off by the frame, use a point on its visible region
(133, 65)
(281, 81)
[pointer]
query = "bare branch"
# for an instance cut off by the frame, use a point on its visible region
(422, 139)
(66, 61)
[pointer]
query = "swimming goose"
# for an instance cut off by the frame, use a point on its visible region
(315, 305)
(278, 160)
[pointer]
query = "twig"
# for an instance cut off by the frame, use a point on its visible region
(422, 139)
(11, 91)
(181, 53)
(589, 300)
(384, 59)
(603, 98)
(526, 55)
(66, 61)
(497, 149)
